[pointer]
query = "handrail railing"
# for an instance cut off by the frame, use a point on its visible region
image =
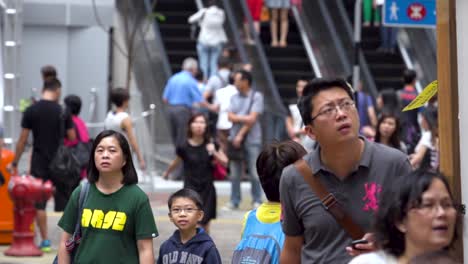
(371, 86)
(235, 31)
(306, 42)
(340, 50)
(158, 38)
(408, 61)
(199, 4)
(263, 61)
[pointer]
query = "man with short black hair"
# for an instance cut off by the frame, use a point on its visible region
(46, 121)
(244, 111)
(351, 168)
(48, 72)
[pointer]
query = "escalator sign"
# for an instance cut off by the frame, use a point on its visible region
(409, 13)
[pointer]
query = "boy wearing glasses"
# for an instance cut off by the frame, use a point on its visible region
(189, 243)
(351, 168)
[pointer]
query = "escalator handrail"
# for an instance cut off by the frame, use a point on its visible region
(334, 36)
(306, 42)
(264, 62)
(371, 86)
(235, 31)
(158, 38)
(408, 61)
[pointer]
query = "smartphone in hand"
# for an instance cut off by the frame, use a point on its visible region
(356, 242)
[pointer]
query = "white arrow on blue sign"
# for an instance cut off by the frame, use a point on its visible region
(410, 13)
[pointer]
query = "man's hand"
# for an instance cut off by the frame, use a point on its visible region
(237, 142)
(363, 248)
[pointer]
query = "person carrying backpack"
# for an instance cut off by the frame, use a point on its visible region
(262, 236)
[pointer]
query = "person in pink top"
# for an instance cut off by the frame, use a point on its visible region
(73, 108)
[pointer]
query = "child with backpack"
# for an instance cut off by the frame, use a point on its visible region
(262, 236)
(189, 243)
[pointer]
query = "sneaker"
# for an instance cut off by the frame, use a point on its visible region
(229, 207)
(45, 246)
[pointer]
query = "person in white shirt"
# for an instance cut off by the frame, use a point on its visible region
(211, 38)
(120, 121)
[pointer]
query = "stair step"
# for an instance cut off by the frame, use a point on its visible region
(178, 56)
(373, 56)
(175, 5)
(168, 30)
(388, 82)
(291, 76)
(291, 50)
(177, 43)
(289, 63)
(387, 69)
(176, 17)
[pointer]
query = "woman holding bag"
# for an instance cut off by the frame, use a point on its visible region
(199, 155)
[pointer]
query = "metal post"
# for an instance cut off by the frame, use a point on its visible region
(11, 43)
(152, 134)
(357, 42)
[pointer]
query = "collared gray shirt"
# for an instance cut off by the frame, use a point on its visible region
(303, 214)
(239, 105)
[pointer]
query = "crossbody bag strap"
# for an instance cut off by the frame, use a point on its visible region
(252, 97)
(83, 195)
(329, 201)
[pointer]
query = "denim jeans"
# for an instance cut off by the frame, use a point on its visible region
(389, 37)
(251, 151)
(208, 58)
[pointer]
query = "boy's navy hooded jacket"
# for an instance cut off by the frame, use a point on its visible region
(199, 249)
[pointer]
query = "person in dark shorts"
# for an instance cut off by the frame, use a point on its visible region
(45, 120)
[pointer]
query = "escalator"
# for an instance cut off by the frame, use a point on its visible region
(287, 64)
(386, 68)
(175, 30)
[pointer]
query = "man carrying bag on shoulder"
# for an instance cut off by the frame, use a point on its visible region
(245, 137)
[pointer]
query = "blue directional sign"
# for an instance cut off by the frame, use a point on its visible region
(409, 13)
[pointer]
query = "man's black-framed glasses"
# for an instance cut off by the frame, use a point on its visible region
(331, 110)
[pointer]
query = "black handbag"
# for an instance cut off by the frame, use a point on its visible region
(235, 153)
(64, 167)
(82, 151)
(75, 239)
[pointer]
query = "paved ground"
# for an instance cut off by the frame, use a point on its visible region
(225, 230)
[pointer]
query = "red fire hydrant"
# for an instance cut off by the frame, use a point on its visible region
(25, 191)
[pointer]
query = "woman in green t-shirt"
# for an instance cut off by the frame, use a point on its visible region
(117, 223)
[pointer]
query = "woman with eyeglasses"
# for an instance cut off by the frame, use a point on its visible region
(416, 216)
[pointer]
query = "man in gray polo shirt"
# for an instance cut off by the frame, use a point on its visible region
(246, 132)
(353, 169)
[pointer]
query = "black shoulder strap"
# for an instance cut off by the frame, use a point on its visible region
(252, 97)
(83, 195)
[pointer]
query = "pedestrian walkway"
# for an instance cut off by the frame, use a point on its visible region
(225, 230)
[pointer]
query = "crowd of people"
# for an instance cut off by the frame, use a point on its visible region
(352, 181)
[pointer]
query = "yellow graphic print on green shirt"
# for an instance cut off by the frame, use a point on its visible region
(97, 219)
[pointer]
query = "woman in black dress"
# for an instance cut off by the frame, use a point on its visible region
(198, 154)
